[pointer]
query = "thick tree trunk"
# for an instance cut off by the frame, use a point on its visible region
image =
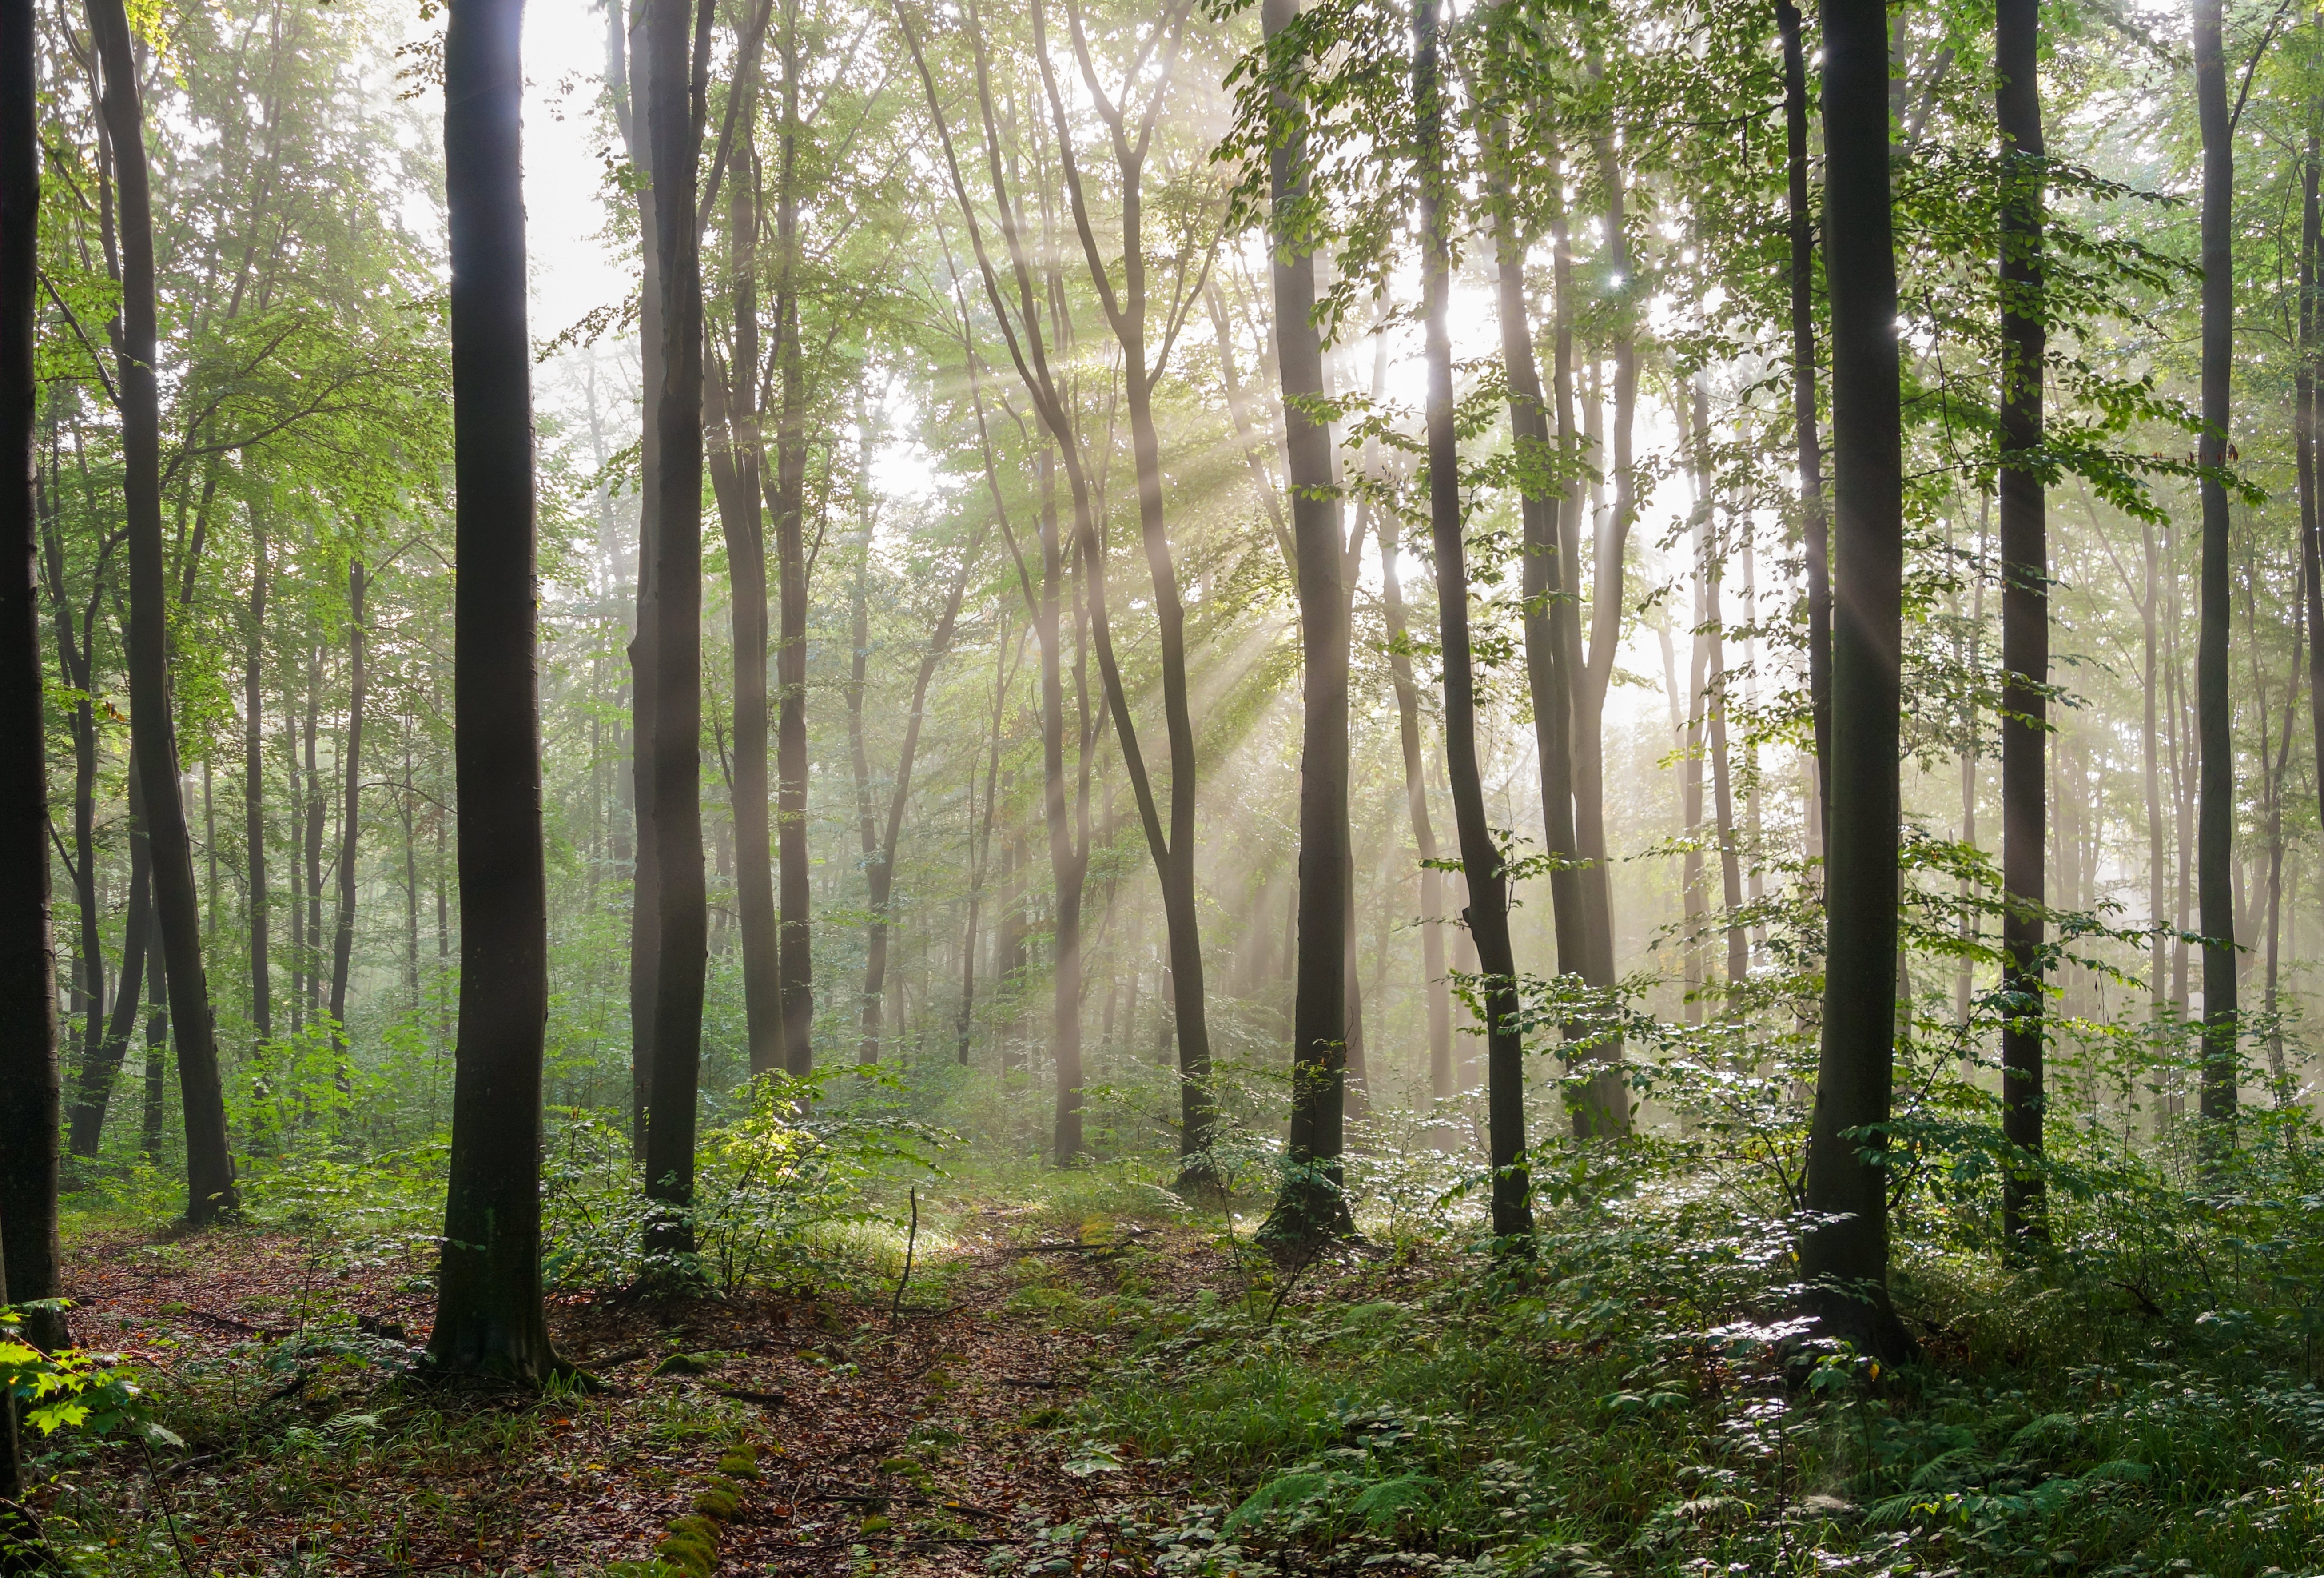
(343, 936)
(1844, 1260)
(682, 947)
(2214, 713)
(29, 1090)
(1487, 911)
(1312, 1205)
(210, 1169)
(488, 1308)
(253, 782)
(2024, 608)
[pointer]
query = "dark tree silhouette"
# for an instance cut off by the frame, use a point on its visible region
(1844, 1260)
(1815, 527)
(2214, 711)
(30, 1096)
(153, 745)
(1312, 1205)
(2024, 601)
(488, 1311)
(674, 138)
(1487, 914)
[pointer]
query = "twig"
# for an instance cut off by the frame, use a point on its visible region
(910, 1243)
(168, 1512)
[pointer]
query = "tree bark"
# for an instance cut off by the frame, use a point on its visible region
(1486, 913)
(2024, 609)
(101, 1071)
(795, 965)
(682, 946)
(1312, 1203)
(75, 666)
(731, 396)
(209, 1166)
(625, 23)
(1814, 526)
(1844, 1260)
(30, 1092)
(488, 1311)
(254, 783)
(2214, 714)
(2304, 431)
(343, 938)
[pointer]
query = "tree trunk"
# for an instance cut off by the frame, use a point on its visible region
(1312, 1205)
(795, 965)
(2214, 714)
(2305, 435)
(1844, 1260)
(488, 1310)
(881, 874)
(1065, 872)
(343, 939)
(2024, 610)
(732, 395)
(31, 1093)
(253, 782)
(157, 1045)
(682, 947)
(209, 1168)
(1814, 526)
(102, 1071)
(1441, 1086)
(74, 667)
(627, 91)
(1487, 911)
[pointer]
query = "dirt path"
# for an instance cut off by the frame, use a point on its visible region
(928, 1443)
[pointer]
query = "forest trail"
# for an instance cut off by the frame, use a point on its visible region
(921, 1444)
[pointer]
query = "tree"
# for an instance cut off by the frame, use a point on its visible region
(343, 933)
(1844, 1257)
(2214, 709)
(209, 1168)
(1486, 913)
(1312, 1203)
(30, 1095)
(2024, 604)
(674, 137)
(489, 1319)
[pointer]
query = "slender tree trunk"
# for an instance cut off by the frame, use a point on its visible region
(30, 1093)
(157, 1045)
(626, 25)
(311, 787)
(2305, 426)
(880, 873)
(1844, 1260)
(253, 782)
(2150, 760)
(1487, 911)
(1311, 1205)
(682, 949)
(488, 1309)
(2214, 713)
(1814, 526)
(209, 1168)
(795, 963)
(2024, 609)
(101, 1072)
(74, 666)
(1441, 1086)
(343, 939)
(734, 463)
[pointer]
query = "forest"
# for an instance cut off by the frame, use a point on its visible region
(1513, 790)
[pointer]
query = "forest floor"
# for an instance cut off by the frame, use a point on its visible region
(916, 1443)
